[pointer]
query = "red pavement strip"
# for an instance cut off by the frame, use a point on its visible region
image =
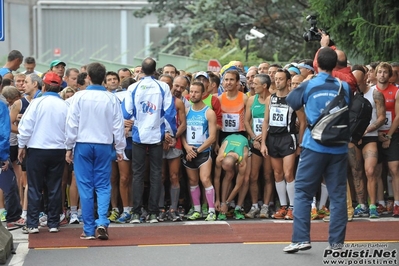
(167, 234)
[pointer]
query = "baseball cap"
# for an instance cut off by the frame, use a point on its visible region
(243, 80)
(52, 78)
(56, 63)
(303, 65)
(201, 73)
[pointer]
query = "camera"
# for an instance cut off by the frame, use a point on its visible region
(313, 33)
(256, 33)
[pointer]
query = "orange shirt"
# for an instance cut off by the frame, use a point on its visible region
(233, 113)
(390, 95)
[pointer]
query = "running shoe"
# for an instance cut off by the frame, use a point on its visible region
(26, 230)
(174, 216)
(360, 212)
(53, 230)
(135, 218)
(239, 215)
(113, 216)
(204, 210)
(83, 236)
(295, 247)
(323, 212)
(196, 215)
(124, 218)
(374, 212)
(253, 212)
(21, 222)
(181, 211)
(74, 218)
(289, 215)
(162, 216)
(211, 217)
(102, 232)
(280, 214)
(42, 219)
(382, 209)
(144, 215)
(222, 217)
(190, 212)
(152, 218)
(264, 212)
(3, 216)
(11, 226)
(390, 206)
(314, 214)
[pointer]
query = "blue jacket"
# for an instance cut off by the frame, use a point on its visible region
(5, 130)
(314, 95)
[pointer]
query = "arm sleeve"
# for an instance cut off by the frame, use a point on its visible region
(5, 130)
(25, 126)
(118, 131)
(72, 125)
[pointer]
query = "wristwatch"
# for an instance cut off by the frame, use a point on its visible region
(388, 137)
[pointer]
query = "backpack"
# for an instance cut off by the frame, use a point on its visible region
(332, 126)
(359, 116)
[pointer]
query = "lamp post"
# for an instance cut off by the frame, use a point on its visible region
(253, 34)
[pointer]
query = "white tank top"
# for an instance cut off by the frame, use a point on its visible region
(369, 96)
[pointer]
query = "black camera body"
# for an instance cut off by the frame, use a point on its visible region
(313, 33)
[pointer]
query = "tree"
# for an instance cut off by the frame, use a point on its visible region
(365, 28)
(282, 21)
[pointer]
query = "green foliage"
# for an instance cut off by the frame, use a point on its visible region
(282, 21)
(364, 28)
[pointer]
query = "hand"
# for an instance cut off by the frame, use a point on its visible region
(325, 39)
(216, 148)
(4, 166)
(19, 116)
(119, 157)
(127, 130)
(386, 144)
(224, 208)
(298, 151)
(128, 123)
(165, 146)
(217, 205)
(257, 145)
(69, 157)
(263, 150)
(21, 154)
(381, 137)
(172, 143)
(191, 153)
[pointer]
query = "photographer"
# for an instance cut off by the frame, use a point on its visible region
(341, 70)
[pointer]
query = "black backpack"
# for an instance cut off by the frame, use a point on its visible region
(359, 116)
(332, 126)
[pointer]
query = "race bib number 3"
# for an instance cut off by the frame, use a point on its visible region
(231, 122)
(194, 135)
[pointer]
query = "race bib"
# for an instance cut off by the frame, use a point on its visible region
(278, 116)
(194, 135)
(231, 122)
(257, 125)
(388, 121)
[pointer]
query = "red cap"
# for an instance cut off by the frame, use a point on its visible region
(52, 78)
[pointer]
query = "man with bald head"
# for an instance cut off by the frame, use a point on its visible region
(341, 70)
(366, 149)
(263, 68)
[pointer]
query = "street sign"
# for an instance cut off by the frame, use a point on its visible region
(57, 52)
(214, 65)
(2, 31)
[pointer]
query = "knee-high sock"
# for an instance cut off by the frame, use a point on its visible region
(195, 195)
(210, 198)
(291, 192)
(174, 197)
(282, 192)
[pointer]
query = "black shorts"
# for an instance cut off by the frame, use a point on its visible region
(391, 153)
(255, 151)
(365, 141)
(281, 145)
(197, 162)
(13, 153)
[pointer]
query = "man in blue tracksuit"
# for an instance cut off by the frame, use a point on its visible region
(150, 104)
(94, 128)
(317, 160)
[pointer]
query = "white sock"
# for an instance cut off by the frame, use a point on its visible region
(363, 206)
(282, 192)
(291, 192)
(74, 209)
(255, 206)
(382, 202)
(323, 196)
(126, 209)
(238, 207)
(24, 213)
